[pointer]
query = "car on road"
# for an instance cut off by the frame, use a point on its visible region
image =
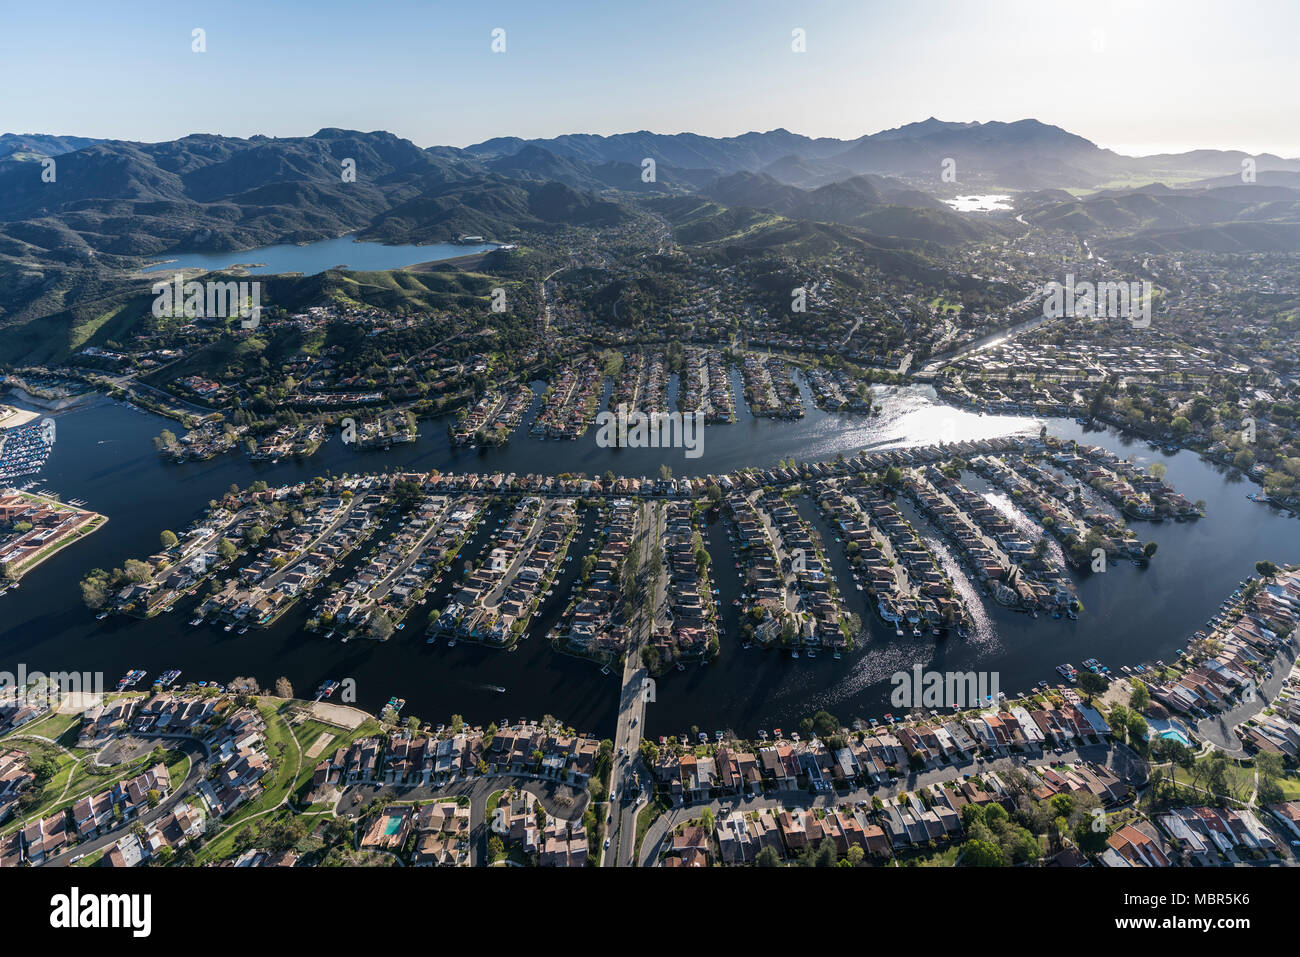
(607, 844)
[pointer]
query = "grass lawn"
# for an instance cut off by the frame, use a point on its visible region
(54, 726)
(178, 769)
(284, 754)
(224, 846)
(308, 731)
(1241, 781)
(84, 783)
(946, 857)
(645, 817)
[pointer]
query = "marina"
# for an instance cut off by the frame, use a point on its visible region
(126, 481)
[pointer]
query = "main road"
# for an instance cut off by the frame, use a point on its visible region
(620, 815)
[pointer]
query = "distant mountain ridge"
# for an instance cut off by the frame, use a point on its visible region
(76, 238)
(16, 147)
(1024, 154)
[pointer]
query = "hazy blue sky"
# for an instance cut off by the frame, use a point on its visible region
(1135, 77)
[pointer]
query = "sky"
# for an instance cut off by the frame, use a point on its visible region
(1137, 77)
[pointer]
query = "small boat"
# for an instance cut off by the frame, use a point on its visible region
(101, 616)
(168, 678)
(228, 627)
(794, 654)
(196, 622)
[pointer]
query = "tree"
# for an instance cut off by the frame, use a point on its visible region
(768, 857)
(1091, 684)
(283, 689)
(94, 588)
(136, 570)
(1149, 549)
(977, 853)
(406, 495)
(1266, 569)
(168, 539)
(825, 724)
(1140, 697)
(226, 550)
(379, 626)
(1136, 726)
(1271, 769)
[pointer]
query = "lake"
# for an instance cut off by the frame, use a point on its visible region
(104, 456)
(316, 257)
(991, 203)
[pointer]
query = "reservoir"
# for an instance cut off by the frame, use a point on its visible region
(312, 258)
(104, 456)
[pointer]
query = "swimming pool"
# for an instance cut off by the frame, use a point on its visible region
(1170, 729)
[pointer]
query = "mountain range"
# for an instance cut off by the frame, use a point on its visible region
(74, 231)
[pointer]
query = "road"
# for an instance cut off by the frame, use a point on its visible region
(561, 801)
(379, 591)
(1120, 760)
(199, 755)
(620, 817)
(522, 554)
(1219, 728)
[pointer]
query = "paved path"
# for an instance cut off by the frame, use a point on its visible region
(1219, 728)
